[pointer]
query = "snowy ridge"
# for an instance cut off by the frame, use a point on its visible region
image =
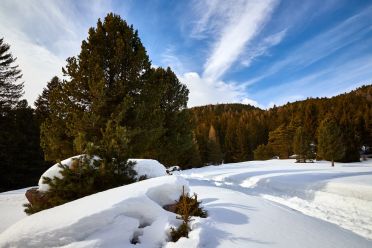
(108, 219)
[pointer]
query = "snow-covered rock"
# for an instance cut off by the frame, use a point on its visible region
(107, 219)
(148, 167)
(54, 171)
(144, 167)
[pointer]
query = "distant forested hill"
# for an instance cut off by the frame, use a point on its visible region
(232, 132)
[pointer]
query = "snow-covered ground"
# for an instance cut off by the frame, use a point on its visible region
(11, 207)
(340, 195)
(275, 203)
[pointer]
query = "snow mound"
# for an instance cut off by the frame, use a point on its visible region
(144, 167)
(114, 218)
(148, 167)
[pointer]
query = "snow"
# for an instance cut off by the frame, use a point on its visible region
(341, 195)
(11, 207)
(106, 219)
(275, 203)
(55, 171)
(144, 167)
(149, 168)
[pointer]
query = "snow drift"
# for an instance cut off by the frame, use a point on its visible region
(112, 218)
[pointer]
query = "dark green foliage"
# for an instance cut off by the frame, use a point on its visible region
(11, 89)
(31, 209)
(263, 152)
(115, 106)
(112, 80)
(186, 207)
(330, 141)
(179, 232)
(56, 142)
(191, 158)
(85, 177)
(109, 80)
(176, 139)
(303, 146)
(21, 159)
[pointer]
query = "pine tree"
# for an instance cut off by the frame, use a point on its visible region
(281, 140)
(115, 106)
(21, 158)
(10, 87)
(302, 145)
(330, 141)
(177, 138)
(52, 115)
(263, 152)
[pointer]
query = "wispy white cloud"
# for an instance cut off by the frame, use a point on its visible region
(321, 46)
(205, 91)
(43, 33)
(242, 23)
(169, 58)
(261, 48)
(230, 29)
(333, 80)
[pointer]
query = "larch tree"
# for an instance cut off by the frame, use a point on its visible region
(214, 154)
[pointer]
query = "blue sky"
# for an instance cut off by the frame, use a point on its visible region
(261, 52)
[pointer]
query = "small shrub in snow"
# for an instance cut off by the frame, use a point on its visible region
(182, 231)
(81, 179)
(186, 207)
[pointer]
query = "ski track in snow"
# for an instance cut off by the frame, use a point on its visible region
(341, 195)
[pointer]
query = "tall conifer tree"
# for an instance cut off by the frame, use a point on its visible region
(330, 142)
(10, 88)
(302, 145)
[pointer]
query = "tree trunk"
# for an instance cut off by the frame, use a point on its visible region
(333, 163)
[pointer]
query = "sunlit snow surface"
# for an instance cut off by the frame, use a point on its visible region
(341, 195)
(276, 203)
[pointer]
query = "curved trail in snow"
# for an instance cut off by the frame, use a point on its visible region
(273, 204)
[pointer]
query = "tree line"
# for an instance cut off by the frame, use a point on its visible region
(311, 129)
